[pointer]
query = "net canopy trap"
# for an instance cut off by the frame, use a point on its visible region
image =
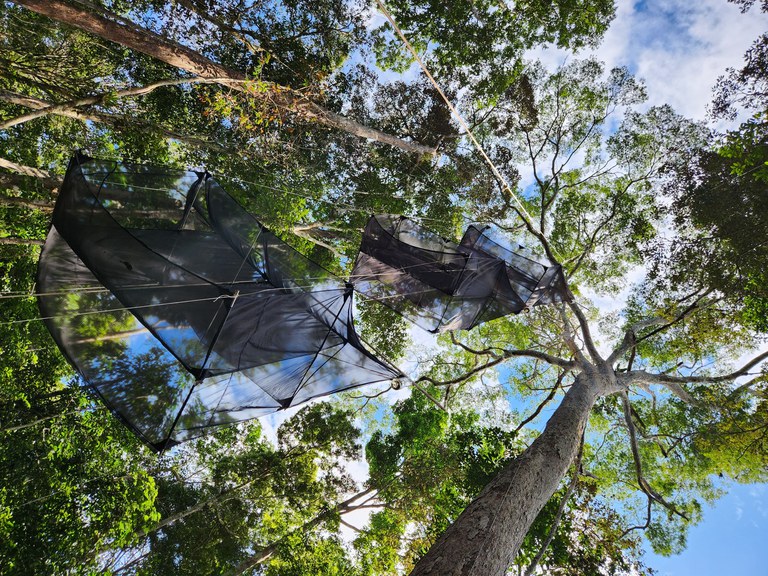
(441, 285)
(182, 311)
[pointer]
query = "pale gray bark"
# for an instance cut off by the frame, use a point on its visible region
(122, 31)
(43, 175)
(530, 571)
(70, 110)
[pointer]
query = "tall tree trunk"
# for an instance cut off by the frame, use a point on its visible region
(122, 31)
(485, 538)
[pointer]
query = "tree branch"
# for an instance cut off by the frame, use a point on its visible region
(115, 28)
(643, 376)
(426, 393)
(546, 401)
(48, 180)
(630, 338)
(549, 358)
(463, 378)
(643, 483)
(42, 205)
(693, 306)
(747, 387)
(640, 526)
(14, 241)
(43, 108)
(569, 339)
(585, 331)
(265, 552)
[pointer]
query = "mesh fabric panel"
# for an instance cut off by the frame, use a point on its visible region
(182, 311)
(440, 285)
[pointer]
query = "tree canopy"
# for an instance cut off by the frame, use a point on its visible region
(556, 441)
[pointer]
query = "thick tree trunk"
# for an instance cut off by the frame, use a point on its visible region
(485, 538)
(121, 31)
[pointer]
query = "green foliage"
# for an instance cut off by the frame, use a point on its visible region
(80, 495)
(588, 539)
(427, 470)
(480, 44)
(720, 212)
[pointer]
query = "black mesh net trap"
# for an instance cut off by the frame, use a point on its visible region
(182, 311)
(441, 285)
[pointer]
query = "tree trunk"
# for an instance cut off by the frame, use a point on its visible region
(122, 31)
(485, 538)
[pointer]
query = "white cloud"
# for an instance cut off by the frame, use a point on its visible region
(679, 48)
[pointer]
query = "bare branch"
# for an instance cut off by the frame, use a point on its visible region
(494, 352)
(348, 525)
(630, 338)
(266, 552)
(307, 235)
(643, 376)
(42, 205)
(463, 378)
(44, 108)
(426, 393)
(643, 483)
(585, 331)
(115, 28)
(44, 175)
(14, 241)
(569, 339)
(549, 358)
(109, 119)
(682, 315)
(747, 387)
(640, 526)
(541, 406)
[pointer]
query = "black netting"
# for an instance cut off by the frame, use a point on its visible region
(182, 311)
(441, 285)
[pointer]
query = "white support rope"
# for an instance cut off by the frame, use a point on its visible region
(126, 308)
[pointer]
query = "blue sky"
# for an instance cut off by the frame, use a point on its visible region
(730, 541)
(678, 47)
